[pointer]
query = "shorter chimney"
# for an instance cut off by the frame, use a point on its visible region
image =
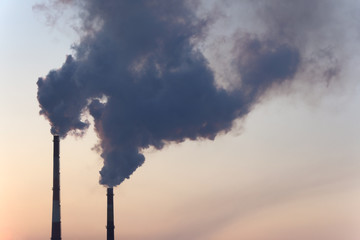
(56, 223)
(110, 214)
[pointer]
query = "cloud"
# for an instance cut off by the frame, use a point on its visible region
(143, 57)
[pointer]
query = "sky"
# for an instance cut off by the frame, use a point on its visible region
(286, 170)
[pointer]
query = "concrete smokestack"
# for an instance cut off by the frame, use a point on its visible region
(56, 223)
(110, 214)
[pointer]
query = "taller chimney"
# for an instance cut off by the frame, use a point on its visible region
(56, 223)
(110, 214)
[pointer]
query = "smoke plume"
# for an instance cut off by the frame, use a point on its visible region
(138, 71)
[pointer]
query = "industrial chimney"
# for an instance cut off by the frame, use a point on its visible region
(110, 214)
(56, 223)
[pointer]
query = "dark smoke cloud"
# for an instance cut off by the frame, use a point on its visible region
(317, 28)
(139, 73)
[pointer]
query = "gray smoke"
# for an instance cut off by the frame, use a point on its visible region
(139, 73)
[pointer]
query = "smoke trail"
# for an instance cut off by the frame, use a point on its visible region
(138, 72)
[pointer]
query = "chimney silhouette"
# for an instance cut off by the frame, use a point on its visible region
(56, 223)
(110, 214)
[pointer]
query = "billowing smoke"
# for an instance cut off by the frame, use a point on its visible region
(139, 73)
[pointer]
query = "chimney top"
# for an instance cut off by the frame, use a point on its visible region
(110, 191)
